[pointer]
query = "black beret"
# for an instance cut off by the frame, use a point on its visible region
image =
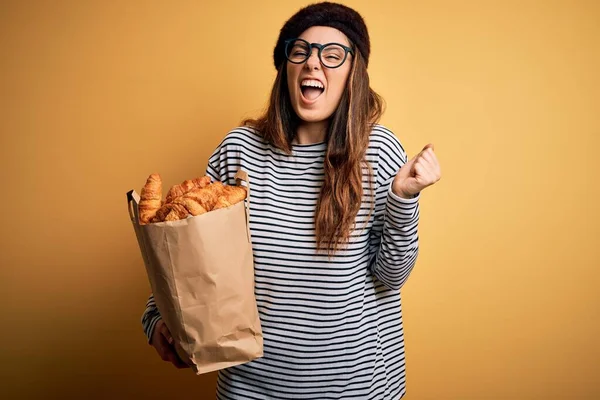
(334, 15)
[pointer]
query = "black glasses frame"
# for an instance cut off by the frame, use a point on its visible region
(320, 48)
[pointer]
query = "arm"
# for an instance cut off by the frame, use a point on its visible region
(394, 235)
(161, 340)
(150, 318)
(398, 244)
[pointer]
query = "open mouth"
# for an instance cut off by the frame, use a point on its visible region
(311, 89)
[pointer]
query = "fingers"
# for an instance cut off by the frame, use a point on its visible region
(179, 363)
(172, 357)
(419, 172)
(429, 159)
(428, 149)
(420, 169)
(162, 347)
(165, 346)
(167, 352)
(429, 162)
(426, 153)
(175, 360)
(166, 334)
(426, 166)
(430, 156)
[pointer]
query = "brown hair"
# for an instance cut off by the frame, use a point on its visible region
(347, 142)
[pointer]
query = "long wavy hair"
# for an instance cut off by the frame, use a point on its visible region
(347, 140)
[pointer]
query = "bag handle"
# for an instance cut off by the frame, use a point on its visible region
(241, 176)
(133, 202)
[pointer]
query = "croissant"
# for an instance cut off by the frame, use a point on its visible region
(202, 181)
(178, 211)
(186, 186)
(231, 195)
(235, 194)
(162, 212)
(191, 205)
(150, 198)
(207, 196)
(192, 197)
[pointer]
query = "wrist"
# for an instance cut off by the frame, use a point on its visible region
(401, 194)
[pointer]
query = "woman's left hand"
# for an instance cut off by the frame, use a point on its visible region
(421, 171)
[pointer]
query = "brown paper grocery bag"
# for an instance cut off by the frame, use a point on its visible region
(201, 272)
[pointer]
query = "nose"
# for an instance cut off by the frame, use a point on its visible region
(313, 61)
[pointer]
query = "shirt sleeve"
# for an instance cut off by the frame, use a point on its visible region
(394, 235)
(225, 161)
(150, 318)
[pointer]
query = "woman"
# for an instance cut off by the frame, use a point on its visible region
(334, 213)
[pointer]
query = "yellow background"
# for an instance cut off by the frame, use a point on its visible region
(96, 95)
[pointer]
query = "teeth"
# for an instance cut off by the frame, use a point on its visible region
(312, 83)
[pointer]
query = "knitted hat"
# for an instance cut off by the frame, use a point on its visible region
(329, 14)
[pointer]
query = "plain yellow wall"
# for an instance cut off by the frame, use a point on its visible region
(504, 301)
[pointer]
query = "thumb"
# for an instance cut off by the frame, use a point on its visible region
(406, 167)
(410, 162)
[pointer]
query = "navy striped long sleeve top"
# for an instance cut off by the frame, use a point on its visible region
(332, 327)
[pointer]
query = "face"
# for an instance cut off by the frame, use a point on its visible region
(318, 104)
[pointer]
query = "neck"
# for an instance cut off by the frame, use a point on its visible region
(311, 132)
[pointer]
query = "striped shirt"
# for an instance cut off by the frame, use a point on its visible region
(332, 327)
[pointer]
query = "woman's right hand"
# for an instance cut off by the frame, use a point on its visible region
(164, 344)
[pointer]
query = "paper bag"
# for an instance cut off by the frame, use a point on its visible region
(201, 272)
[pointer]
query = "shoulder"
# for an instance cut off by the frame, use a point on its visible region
(242, 137)
(386, 146)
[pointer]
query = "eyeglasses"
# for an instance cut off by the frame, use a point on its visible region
(331, 55)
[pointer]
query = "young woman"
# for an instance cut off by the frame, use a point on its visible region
(334, 214)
